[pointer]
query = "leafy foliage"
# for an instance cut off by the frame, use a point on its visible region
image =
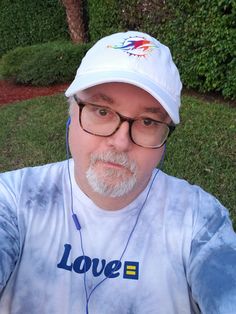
(202, 37)
(43, 64)
(27, 22)
(104, 18)
(201, 34)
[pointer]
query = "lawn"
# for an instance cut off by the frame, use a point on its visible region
(201, 150)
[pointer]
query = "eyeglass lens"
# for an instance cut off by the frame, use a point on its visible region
(103, 121)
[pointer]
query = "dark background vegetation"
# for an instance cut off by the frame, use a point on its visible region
(201, 33)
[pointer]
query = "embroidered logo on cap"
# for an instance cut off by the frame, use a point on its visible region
(136, 46)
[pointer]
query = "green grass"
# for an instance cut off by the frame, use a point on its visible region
(201, 150)
(32, 132)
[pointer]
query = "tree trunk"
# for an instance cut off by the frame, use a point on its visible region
(76, 20)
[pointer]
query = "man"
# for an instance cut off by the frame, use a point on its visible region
(106, 232)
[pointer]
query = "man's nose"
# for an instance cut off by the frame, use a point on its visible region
(121, 140)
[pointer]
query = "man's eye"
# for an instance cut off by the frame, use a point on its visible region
(102, 112)
(148, 122)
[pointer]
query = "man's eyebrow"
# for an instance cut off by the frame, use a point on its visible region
(162, 113)
(101, 96)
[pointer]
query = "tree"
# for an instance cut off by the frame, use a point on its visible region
(76, 19)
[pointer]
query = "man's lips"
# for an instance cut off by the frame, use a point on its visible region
(112, 161)
(111, 165)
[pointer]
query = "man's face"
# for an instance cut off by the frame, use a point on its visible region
(114, 167)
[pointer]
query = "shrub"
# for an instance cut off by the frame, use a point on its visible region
(104, 18)
(27, 22)
(201, 36)
(43, 64)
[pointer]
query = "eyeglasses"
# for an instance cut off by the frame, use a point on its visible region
(103, 121)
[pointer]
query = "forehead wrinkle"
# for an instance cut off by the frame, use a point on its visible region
(99, 97)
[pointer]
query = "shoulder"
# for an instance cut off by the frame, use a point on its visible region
(181, 191)
(178, 193)
(30, 171)
(183, 201)
(14, 182)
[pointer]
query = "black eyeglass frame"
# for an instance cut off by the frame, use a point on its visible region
(130, 121)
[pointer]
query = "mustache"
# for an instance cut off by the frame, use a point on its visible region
(115, 157)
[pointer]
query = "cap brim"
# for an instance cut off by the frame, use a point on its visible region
(82, 82)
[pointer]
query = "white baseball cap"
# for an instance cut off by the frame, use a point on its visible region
(135, 58)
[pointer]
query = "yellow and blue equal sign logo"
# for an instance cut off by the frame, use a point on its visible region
(131, 270)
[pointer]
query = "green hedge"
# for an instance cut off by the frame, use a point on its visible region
(104, 18)
(43, 64)
(202, 37)
(201, 34)
(27, 22)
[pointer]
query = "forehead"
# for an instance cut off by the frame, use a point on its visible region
(122, 95)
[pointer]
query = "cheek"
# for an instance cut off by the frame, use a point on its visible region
(77, 145)
(81, 144)
(148, 160)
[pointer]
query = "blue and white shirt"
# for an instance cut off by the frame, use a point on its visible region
(179, 258)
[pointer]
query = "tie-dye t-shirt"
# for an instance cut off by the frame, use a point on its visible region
(179, 258)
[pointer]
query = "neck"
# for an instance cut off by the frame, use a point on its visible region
(110, 203)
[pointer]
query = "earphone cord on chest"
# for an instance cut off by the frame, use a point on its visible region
(78, 226)
(125, 248)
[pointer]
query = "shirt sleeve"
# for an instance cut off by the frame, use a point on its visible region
(212, 265)
(9, 234)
